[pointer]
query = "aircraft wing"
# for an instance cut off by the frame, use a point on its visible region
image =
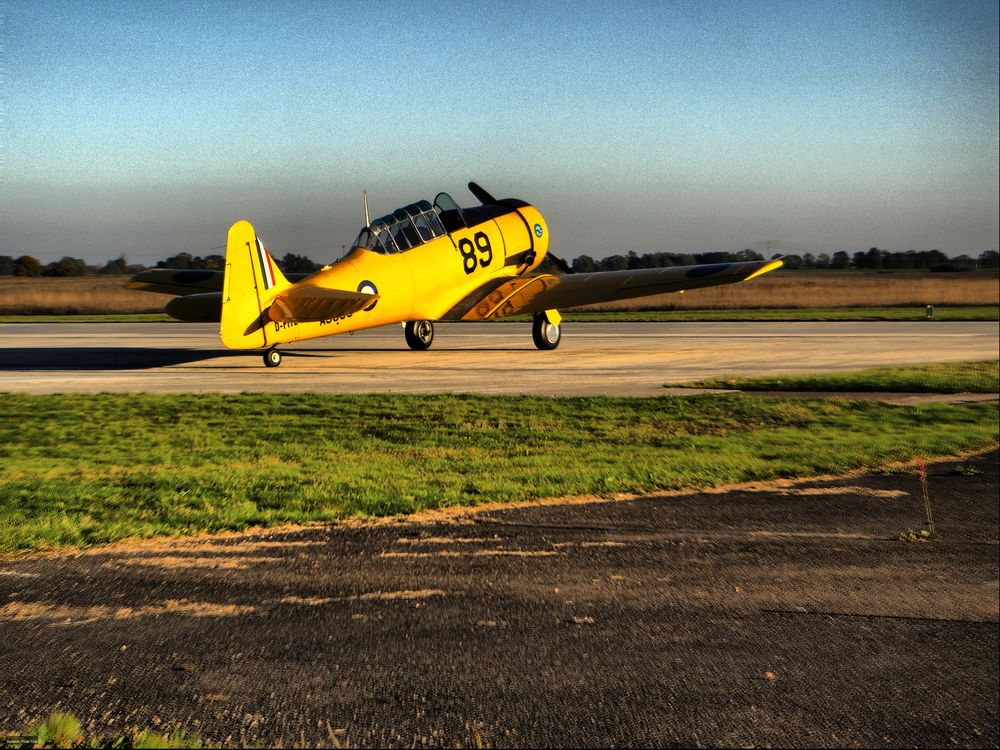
(529, 294)
(313, 304)
(187, 281)
(177, 281)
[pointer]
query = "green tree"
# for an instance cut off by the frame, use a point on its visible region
(875, 258)
(584, 264)
(117, 266)
(66, 266)
(614, 263)
(6, 265)
(27, 265)
(293, 263)
(181, 260)
(840, 260)
(209, 262)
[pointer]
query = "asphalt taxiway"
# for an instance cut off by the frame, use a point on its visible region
(783, 614)
(592, 359)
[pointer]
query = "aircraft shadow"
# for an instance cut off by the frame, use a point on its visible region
(104, 358)
(397, 349)
(145, 358)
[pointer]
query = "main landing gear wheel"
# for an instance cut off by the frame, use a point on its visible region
(545, 334)
(272, 357)
(419, 334)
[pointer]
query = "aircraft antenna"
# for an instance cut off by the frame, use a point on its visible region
(367, 220)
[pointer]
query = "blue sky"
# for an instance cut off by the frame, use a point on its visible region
(147, 129)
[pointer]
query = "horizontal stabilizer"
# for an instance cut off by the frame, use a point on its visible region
(177, 281)
(196, 308)
(186, 281)
(312, 304)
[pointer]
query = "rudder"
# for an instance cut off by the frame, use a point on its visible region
(251, 281)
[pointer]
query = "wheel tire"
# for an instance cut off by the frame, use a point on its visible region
(419, 334)
(545, 334)
(272, 358)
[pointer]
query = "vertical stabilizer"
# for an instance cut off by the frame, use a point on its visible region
(252, 280)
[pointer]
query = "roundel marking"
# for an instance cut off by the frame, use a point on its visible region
(538, 230)
(366, 287)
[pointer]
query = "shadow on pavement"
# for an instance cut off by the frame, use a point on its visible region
(104, 358)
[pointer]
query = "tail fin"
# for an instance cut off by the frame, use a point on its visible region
(251, 282)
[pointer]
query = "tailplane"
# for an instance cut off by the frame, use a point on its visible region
(252, 280)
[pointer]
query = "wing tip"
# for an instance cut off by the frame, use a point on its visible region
(766, 268)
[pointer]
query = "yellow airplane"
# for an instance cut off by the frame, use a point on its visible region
(420, 264)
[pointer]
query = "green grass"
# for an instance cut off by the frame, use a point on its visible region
(64, 730)
(947, 377)
(960, 312)
(113, 318)
(58, 730)
(791, 314)
(90, 469)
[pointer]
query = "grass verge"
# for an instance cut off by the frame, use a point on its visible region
(790, 314)
(91, 469)
(111, 318)
(946, 377)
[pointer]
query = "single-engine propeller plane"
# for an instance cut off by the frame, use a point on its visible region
(420, 264)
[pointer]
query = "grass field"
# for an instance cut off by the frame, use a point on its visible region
(781, 290)
(947, 377)
(87, 294)
(789, 314)
(830, 289)
(90, 469)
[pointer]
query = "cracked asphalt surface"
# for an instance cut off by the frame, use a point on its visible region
(783, 614)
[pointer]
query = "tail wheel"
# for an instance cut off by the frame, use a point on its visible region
(419, 334)
(545, 334)
(272, 357)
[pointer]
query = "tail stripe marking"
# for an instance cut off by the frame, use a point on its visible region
(265, 265)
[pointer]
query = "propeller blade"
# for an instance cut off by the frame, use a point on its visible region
(481, 195)
(560, 263)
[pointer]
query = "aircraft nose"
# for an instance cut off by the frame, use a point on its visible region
(541, 239)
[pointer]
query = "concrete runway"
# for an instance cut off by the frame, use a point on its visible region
(594, 358)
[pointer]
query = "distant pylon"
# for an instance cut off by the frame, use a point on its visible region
(769, 247)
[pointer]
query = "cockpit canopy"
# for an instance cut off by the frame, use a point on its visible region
(401, 230)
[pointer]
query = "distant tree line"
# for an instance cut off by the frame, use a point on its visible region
(872, 259)
(290, 263)
(27, 265)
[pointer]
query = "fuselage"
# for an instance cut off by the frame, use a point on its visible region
(428, 279)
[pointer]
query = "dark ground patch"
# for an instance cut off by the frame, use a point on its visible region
(764, 616)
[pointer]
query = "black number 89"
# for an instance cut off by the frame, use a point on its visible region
(468, 251)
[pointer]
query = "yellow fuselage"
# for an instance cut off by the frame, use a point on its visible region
(424, 282)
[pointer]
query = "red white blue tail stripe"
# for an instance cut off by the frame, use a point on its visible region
(266, 267)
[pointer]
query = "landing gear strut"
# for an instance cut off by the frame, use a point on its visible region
(272, 357)
(545, 330)
(419, 334)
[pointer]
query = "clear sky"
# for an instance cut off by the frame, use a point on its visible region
(148, 128)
